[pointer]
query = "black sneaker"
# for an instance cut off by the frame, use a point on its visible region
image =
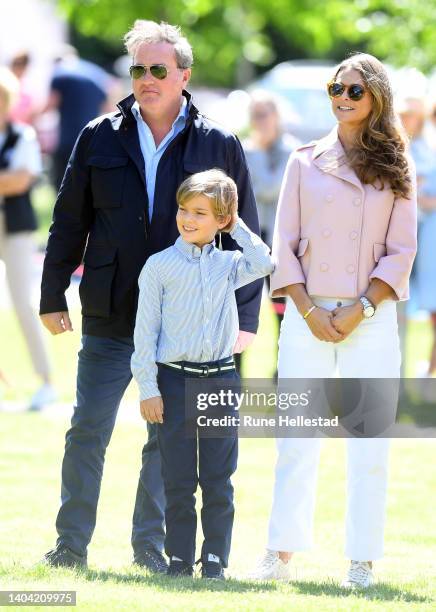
(179, 568)
(62, 556)
(211, 567)
(151, 559)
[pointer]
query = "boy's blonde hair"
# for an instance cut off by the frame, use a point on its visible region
(215, 185)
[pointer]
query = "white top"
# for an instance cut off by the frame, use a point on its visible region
(26, 154)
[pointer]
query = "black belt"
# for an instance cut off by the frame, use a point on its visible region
(202, 370)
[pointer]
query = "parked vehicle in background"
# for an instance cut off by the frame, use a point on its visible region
(301, 84)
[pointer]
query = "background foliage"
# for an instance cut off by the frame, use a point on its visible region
(235, 39)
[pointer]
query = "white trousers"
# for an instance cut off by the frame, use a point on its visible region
(17, 251)
(371, 351)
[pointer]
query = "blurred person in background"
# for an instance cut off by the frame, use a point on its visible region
(78, 91)
(344, 244)
(267, 151)
(23, 109)
(413, 113)
(20, 165)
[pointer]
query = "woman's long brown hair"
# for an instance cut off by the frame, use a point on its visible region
(378, 156)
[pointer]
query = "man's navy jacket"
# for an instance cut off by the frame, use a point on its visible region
(101, 216)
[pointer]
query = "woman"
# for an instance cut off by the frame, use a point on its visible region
(344, 244)
(20, 164)
(267, 151)
(413, 115)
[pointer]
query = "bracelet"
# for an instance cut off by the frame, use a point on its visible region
(311, 309)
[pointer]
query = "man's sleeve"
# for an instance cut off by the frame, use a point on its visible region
(72, 218)
(248, 298)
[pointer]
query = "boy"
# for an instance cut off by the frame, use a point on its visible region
(187, 317)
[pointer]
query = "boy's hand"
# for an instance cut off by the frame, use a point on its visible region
(231, 223)
(152, 409)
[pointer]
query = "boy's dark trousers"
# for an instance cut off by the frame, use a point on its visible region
(217, 460)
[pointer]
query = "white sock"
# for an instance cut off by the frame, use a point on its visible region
(174, 558)
(211, 557)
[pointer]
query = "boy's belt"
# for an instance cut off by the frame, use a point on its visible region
(201, 370)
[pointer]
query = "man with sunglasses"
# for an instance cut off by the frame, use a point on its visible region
(115, 208)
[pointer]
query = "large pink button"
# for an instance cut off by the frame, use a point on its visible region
(353, 235)
(326, 233)
(329, 198)
(357, 201)
(351, 269)
(324, 267)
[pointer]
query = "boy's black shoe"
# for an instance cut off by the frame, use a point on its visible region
(211, 567)
(179, 568)
(62, 556)
(151, 559)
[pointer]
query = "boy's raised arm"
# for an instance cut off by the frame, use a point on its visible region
(255, 261)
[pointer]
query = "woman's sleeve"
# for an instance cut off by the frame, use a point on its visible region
(287, 232)
(401, 243)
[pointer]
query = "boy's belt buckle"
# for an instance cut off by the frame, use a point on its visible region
(205, 371)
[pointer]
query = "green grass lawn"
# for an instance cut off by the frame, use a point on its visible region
(31, 451)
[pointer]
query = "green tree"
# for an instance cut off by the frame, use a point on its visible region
(233, 38)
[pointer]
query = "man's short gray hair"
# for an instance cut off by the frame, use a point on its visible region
(144, 31)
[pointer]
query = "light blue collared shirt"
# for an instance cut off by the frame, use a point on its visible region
(187, 306)
(150, 152)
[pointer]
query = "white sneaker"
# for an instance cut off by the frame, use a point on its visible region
(43, 396)
(271, 567)
(359, 575)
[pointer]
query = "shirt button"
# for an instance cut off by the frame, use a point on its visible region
(139, 218)
(357, 201)
(326, 233)
(324, 267)
(329, 198)
(350, 269)
(353, 235)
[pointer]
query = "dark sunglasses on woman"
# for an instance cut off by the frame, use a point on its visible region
(335, 89)
(158, 71)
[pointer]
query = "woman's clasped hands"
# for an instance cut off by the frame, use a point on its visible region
(334, 325)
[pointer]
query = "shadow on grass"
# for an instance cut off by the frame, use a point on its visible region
(164, 583)
(378, 592)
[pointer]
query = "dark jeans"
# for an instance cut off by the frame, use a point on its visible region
(102, 378)
(217, 460)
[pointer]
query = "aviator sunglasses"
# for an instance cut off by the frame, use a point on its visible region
(158, 71)
(336, 89)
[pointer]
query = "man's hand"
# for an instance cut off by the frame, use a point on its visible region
(152, 409)
(347, 318)
(320, 322)
(57, 322)
(243, 341)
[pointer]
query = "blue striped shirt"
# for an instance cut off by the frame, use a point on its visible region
(152, 153)
(187, 307)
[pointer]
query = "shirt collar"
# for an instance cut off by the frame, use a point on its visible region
(192, 251)
(181, 117)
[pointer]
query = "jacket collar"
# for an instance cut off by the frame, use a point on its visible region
(125, 107)
(329, 156)
(192, 251)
